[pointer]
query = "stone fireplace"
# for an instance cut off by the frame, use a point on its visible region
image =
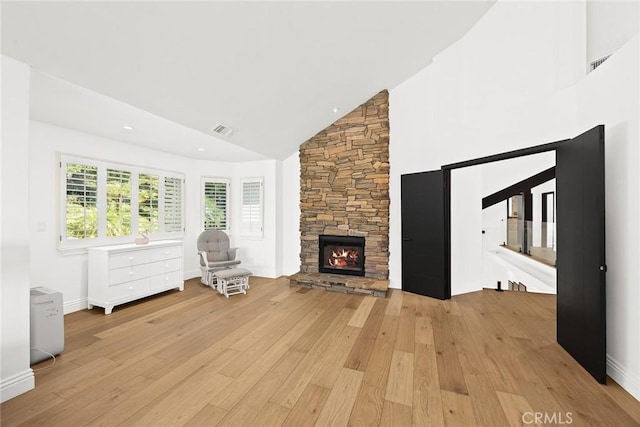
(344, 187)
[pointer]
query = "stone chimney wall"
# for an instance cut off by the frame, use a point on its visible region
(344, 185)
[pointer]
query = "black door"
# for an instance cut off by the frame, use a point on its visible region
(581, 245)
(424, 270)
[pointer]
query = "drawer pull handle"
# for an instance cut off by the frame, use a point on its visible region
(131, 273)
(130, 258)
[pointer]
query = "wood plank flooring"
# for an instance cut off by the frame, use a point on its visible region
(294, 356)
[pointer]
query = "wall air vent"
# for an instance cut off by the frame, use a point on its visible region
(598, 62)
(223, 130)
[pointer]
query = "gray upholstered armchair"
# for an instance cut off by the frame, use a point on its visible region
(215, 254)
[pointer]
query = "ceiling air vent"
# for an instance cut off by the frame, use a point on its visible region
(598, 62)
(223, 130)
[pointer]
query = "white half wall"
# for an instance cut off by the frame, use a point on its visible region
(489, 94)
(16, 377)
(291, 214)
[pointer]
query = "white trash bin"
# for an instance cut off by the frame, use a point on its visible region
(47, 324)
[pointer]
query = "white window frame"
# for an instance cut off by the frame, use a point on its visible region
(215, 180)
(249, 229)
(70, 245)
(163, 217)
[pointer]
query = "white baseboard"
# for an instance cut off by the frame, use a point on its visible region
(82, 303)
(75, 305)
(190, 274)
(16, 385)
(627, 380)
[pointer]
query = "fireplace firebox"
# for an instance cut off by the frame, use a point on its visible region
(341, 255)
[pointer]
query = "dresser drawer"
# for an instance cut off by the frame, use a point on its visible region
(159, 254)
(127, 274)
(167, 279)
(128, 259)
(159, 267)
(125, 290)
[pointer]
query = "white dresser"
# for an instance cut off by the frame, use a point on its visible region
(123, 273)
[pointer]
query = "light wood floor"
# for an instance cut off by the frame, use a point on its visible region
(300, 357)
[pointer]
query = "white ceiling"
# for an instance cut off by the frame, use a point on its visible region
(273, 71)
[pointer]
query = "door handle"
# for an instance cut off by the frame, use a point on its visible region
(603, 268)
(406, 239)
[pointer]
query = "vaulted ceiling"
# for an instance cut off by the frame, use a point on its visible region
(273, 71)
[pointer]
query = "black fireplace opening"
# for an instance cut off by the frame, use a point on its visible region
(341, 255)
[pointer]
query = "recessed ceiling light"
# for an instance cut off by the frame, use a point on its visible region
(336, 109)
(127, 127)
(200, 149)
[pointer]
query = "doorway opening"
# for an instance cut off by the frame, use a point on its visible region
(581, 268)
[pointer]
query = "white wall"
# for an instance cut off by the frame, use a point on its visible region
(610, 24)
(68, 273)
(290, 214)
(258, 255)
(490, 93)
(194, 218)
(474, 99)
(15, 375)
(498, 175)
(536, 196)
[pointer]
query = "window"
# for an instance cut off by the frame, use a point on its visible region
(106, 203)
(251, 217)
(172, 204)
(148, 199)
(215, 204)
(81, 197)
(118, 203)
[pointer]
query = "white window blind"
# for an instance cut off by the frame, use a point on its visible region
(118, 203)
(148, 203)
(172, 204)
(107, 203)
(215, 201)
(251, 216)
(81, 198)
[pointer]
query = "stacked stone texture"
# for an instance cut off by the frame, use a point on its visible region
(344, 185)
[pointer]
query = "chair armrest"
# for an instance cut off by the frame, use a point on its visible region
(204, 262)
(232, 253)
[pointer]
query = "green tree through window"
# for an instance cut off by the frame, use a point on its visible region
(215, 205)
(148, 203)
(118, 203)
(104, 203)
(81, 201)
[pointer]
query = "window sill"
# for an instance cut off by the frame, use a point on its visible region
(72, 251)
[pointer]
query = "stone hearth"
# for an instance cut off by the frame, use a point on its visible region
(341, 283)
